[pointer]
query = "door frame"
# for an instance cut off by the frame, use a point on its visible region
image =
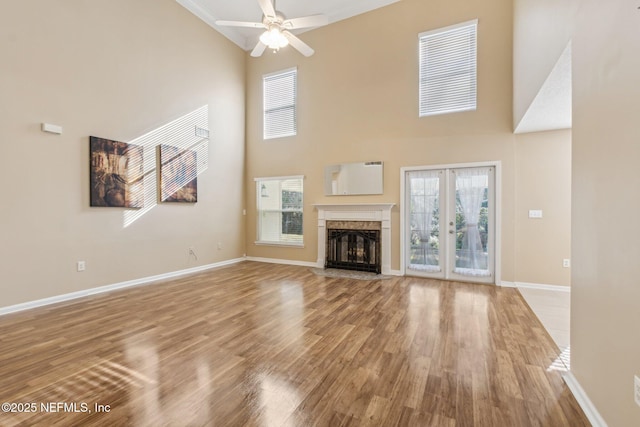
(497, 164)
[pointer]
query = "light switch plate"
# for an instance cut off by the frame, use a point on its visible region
(636, 389)
(534, 213)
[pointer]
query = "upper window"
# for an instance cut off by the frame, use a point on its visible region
(279, 203)
(280, 103)
(448, 69)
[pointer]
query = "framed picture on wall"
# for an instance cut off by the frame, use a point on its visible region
(116, 173)
(178, 175)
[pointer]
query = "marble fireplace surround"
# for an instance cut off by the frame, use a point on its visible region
(377, 212)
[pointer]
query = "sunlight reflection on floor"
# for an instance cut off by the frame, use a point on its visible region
(563, 362)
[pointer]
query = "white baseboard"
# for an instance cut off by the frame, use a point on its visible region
(506, 284)
(108, 288)
(541, 286)
(583, 400)
(282, 261)
(395, 273)
(558, 288)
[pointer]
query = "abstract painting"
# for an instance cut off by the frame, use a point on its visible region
(178, 175)
(117, 173)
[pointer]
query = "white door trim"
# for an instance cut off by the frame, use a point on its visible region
(498, 208)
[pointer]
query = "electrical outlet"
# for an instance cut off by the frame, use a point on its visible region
(636, 388)
(566, 263)
(219, 245)
(81, 266)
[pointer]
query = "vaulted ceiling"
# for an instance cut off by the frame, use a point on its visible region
(249, 10)
(551, 108)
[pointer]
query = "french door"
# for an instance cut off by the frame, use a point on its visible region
(449, 223)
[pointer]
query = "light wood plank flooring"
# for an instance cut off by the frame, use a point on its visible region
(269, 345)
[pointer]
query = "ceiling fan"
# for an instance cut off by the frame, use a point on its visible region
(276, 26)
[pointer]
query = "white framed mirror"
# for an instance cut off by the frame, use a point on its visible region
(356, 178)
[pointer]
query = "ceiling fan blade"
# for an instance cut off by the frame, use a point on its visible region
(241, 24)
(267, 8)
(298, 44)
(306, 22)
(258, 50)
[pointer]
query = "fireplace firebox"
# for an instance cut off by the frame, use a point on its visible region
(353, 248)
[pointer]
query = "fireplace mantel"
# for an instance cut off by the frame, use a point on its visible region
(356, 212)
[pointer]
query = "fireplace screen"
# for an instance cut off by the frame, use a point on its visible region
(353, 250)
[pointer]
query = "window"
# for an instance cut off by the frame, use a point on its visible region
(279, 203)
(280, 103)
(448, 69)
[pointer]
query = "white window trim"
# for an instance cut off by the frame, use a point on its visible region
(275, 73)
(259, 242)
(446, 29)
(278, 178)
(295, 103)
(440, 31)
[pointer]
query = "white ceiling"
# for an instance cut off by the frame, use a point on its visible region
(551, 108)
(249, 10)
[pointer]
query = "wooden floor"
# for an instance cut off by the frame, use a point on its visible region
(268, 345)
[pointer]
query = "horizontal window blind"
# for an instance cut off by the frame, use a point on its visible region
(448, 66)
(279, 204)
(280, 90)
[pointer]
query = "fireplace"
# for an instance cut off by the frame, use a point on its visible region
(352, 217)
(353, 245)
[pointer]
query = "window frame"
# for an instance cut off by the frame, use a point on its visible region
(281, 210)
(270, 77)
(426, 110)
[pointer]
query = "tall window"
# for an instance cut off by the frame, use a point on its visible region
(279, 203)
(280, 103)
(448, 69)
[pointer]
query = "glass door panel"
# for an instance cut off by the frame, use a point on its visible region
(471, 242)
(423, 194)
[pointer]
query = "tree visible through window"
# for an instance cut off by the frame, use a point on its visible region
(280, 208)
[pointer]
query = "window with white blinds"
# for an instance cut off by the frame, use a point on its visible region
(279, 94)
(279, 202)
(448, 69)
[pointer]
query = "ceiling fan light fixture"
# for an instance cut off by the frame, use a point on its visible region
(274, 38)
(277, 29)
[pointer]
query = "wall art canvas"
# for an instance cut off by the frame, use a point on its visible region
(178, 175)
(117, 173)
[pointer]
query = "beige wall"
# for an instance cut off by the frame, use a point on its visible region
(605, 342)
(115, 69)
(543, 181)
(358, 99)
